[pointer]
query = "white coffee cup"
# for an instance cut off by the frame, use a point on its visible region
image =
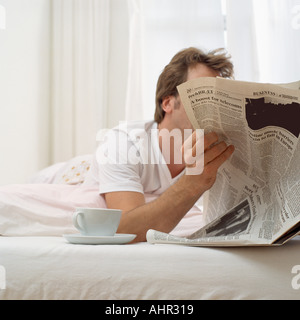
(97, 221)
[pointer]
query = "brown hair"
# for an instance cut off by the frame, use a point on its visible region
(176, 72)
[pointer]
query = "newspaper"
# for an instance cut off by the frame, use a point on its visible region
(256, 198)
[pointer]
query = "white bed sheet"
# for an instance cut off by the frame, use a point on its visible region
(51, 268)
(47, 209)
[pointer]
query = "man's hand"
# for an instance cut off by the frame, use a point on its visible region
(203, 157)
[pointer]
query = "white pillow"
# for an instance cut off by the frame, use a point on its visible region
(46, 175)
(70, 172)
(74, 171)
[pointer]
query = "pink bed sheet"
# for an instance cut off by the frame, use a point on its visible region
(46, 209)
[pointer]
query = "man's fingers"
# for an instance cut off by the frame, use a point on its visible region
(210, 139)
(214, 152)
(191, 145)
(199, 152)
(218, 155)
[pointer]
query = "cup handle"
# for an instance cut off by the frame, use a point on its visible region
(75, 221)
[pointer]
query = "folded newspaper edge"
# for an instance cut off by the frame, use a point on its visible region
(157, 237)
(229, 240)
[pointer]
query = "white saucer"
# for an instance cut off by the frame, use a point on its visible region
(118, 238)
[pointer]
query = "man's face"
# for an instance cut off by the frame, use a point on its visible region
(180, 118)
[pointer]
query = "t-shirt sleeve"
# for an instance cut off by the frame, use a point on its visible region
(115, 170)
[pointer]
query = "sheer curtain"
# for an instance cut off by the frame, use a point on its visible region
(278, 40)
(80, 42)
(264, 39)
(88, 85)
(241, 39)
(158, 30)
(86, 50)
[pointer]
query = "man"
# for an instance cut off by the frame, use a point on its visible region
(124, 183)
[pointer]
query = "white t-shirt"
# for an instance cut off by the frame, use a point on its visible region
(128, 158)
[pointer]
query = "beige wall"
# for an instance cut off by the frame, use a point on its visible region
(24, 89)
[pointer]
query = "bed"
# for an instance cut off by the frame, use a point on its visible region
(37, 262)
(51, 268)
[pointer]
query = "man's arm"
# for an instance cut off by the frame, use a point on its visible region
(162, 214)
(165, 212)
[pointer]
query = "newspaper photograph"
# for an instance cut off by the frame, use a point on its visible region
(256, 197)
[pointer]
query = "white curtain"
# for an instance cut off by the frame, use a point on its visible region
(158, 30)
(264, 39)
(134, 95)
(80, 46)
(2, 17)
(83, 76)
(241, 40)
(262, 36)
(278, 41)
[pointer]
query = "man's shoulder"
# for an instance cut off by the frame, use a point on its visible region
(132, 138)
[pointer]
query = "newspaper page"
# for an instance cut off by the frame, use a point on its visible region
(256, 197)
